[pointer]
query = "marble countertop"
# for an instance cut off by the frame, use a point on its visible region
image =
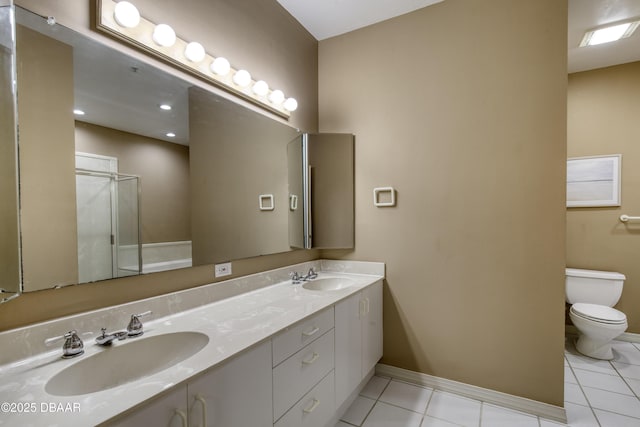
(232, 325)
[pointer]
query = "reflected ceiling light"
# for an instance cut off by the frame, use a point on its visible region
(261, 88)
(220, 66)
(164, 35)
(194, 52)
(242, 78)
(290, 104)
(126, 14)
(277, 97)
(78, 112)
(171, 134)
(608, 34)
(165, 107)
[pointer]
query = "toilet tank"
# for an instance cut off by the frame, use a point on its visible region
(593, 287)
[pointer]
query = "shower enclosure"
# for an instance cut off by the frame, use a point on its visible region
(108, 218)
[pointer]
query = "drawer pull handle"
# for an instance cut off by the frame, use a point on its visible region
(314, 357)
(311, 332)
(182, 415)
(312, 408)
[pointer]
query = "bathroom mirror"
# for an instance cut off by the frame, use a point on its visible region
(10, 283)
(179, 187)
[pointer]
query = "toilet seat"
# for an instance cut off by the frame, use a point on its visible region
(599, 313)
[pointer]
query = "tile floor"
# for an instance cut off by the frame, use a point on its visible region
(597, 393)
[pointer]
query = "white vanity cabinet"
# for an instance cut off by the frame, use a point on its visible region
(358, 337)
(303, 357)
(297, 378)
(236, 393)
(168, 410)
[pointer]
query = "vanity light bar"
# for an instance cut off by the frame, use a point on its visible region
(122, 20)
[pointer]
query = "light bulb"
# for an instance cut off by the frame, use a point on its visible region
(220, 66)
(126, 14)
(165, 107)
(276, 97)
(194, 52)
(78, 112)
(171, 134)
(164, 35)
(290, 104)
(242, 78)
(261, 88)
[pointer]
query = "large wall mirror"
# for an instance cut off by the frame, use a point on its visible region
(126, 169)
(10, 284)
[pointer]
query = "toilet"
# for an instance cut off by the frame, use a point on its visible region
(592, 295)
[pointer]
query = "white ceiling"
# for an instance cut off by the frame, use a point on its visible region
(328, 18)
(588, 14)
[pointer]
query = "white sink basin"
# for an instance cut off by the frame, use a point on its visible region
(328, 284)
(126, 361)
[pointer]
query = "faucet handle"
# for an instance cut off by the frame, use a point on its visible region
(135, 325)
(72, 347)
(295, 277)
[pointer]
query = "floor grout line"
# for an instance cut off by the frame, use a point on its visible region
(578, 359)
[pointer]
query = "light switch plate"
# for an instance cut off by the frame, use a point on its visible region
(221, 270)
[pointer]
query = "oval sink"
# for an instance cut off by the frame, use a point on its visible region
(126, 362)
(328, 284)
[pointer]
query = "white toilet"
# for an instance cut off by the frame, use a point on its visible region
(592, 295)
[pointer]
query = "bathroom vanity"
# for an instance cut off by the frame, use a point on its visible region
(252, 351)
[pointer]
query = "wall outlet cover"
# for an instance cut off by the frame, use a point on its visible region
(221, 270)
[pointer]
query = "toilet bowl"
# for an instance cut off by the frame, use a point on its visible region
(593, 295)
(597, 325)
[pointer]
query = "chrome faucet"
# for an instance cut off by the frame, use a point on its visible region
(107, 339)
(311, 274)
(72, 347)
(295, 278)
(134, 328)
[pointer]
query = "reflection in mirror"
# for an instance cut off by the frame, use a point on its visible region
(199, 166)
(321, 170)
(10, 283)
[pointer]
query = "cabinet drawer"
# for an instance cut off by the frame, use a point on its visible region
(297, 336)
(298, 374)
(315, 409)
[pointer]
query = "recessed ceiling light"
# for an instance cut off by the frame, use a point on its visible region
(608, 34)
(171, 134)
(165, 107)
(78, 112)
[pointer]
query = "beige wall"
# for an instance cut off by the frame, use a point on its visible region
(163, 169)
(9, 243)
(603, 110)
(47, 169)
(257, 34)
(461, 107)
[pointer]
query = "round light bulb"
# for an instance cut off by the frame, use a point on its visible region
(194, 52)
(290, 104)
(78, 112)
(220, 66)
(165, 107)
(164, 35)
(261, 88)
(126, 14)
(276, 97)
(242, 78)
(171, 134)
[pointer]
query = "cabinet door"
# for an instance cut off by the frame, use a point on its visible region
(235, 394)
(348, 333)
(372, 327)
(168, 410)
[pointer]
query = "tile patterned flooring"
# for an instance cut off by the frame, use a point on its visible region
(597, 393)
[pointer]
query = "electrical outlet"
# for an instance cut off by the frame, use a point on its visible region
(221, 270)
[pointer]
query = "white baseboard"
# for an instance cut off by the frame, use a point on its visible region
(625, 336)
(517, 403)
